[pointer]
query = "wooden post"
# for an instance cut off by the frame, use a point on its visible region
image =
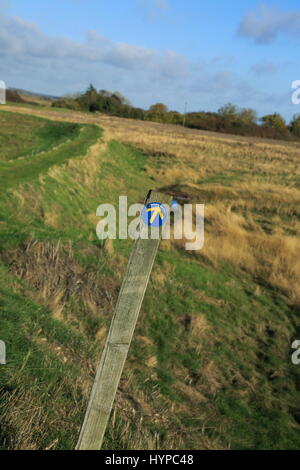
(120, 334)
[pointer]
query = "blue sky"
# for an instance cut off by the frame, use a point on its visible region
(199, 52)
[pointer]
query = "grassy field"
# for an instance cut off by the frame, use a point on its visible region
(210, 366)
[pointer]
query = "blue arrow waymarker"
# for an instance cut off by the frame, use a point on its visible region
(154, 214)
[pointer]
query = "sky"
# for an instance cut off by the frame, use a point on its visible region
(189, 54)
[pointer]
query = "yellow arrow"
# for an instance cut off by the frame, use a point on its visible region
(156, 211)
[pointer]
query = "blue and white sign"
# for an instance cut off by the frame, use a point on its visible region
(154, 214)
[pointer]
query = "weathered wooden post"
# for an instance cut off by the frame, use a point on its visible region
(121, 332)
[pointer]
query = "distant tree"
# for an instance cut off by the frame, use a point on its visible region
(158, 108)
(295, 125)
(89, 100)
(274, 121)
(228, 111)
(248, 116)
(174, 117)
(157, 112)
(105, 93)
(67, 103)
(121, 98)
(91, 89)
(133, 113)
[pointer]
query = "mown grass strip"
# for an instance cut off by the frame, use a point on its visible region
(27, 169)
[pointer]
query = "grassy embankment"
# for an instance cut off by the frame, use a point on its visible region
(210, 363)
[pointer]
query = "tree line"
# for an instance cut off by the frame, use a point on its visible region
(228, 119)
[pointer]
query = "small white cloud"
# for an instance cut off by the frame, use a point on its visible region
(128, 56)
(266, 24)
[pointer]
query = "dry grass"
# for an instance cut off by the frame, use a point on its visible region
(22, 408)
(50, 268)
(271, 256)
(36, 99)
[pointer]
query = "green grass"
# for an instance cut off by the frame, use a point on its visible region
(225, 179)
(29, 150)
(24, 136)
(231, 385)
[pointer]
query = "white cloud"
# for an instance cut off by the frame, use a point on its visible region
(128, 56)
(266, 24)
(19, 38)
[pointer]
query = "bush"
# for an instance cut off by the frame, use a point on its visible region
(295, 125)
